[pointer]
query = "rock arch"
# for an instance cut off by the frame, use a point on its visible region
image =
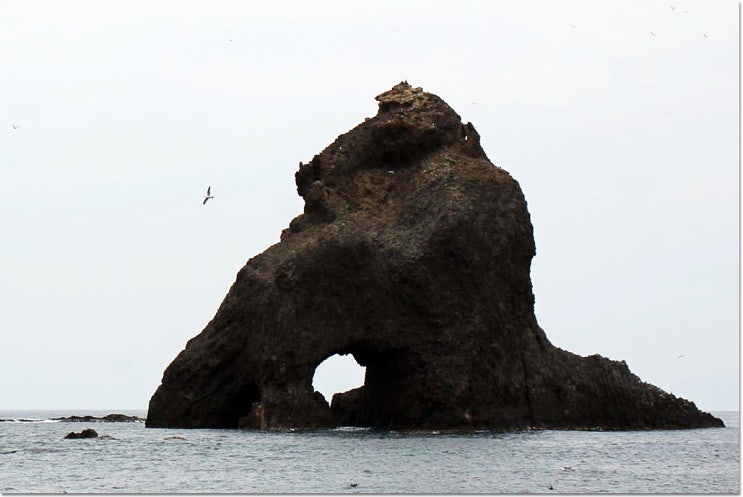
(413, 255)
(337, 373)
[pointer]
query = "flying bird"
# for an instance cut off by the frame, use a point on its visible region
(16, 126)
(208, 195)
(652, 34)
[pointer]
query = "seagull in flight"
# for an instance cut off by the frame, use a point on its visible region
(208, 195)
(16, 126)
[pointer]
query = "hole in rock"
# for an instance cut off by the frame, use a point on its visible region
(337, 374)
(240, 405)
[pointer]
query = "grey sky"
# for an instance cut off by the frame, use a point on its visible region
(625, 144)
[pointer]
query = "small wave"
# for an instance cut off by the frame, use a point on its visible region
(352, 429)
(27, 420)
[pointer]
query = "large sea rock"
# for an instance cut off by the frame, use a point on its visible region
(413, 255)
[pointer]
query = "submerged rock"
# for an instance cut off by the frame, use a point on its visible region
(87, 433)
(413, 255)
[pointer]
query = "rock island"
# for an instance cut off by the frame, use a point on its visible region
(413, 255)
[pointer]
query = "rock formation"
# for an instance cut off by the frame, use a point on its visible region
(413, 255)
(86, 433)
(108, 418)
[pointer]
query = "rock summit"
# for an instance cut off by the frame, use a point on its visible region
(413, 255)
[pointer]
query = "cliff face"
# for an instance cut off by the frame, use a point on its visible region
(413, 255)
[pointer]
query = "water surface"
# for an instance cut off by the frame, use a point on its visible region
(34, 458)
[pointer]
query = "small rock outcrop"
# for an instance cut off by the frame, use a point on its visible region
(87, 433)
(413, 254)
(108, 418)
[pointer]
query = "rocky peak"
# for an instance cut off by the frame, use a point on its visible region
(410, 126)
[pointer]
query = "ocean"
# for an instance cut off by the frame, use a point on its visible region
(35, 458)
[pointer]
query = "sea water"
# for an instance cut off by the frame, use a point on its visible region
(35, 458)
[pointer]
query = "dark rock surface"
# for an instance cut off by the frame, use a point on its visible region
(87, 433)
(108, 418)
(413, 254)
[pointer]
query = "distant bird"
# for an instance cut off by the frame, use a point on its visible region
(705, 35)
(652, 34)
(679, 357)
(354, 484)
(16, 126)
(566, 468)
(550, 488)
(208, 195)
(672, 7)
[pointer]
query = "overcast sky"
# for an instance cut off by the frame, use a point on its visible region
(620, 121)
